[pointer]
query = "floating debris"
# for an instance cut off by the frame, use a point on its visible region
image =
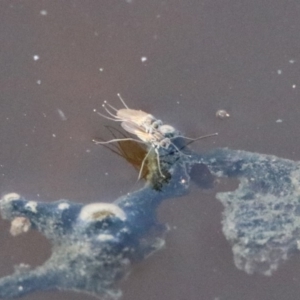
(19, 225)
(62, 114)
(44, 12)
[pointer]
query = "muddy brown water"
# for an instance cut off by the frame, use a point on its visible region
(179, 60)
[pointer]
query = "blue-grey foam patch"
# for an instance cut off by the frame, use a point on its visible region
(93, 246)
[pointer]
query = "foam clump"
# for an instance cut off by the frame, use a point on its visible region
(261, 219)
(100, 211)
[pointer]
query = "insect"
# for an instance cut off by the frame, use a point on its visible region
(142, 119)
(147, 128)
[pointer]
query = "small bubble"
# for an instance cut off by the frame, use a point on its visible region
(279, 72)
(144, 58)
(36, 57)
(43, 12)
(222, 114)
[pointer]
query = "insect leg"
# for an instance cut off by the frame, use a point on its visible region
(117, 140)
(143, 164)
(158, 164)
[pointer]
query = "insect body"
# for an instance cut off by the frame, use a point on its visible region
(138, 117)
(156, 139)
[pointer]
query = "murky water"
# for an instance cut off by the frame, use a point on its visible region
(180, 61)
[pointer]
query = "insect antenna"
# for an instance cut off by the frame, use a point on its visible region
(108, 111)
(106, 117)
(122, 101)
(106, 103)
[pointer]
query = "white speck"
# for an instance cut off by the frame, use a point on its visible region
(36, 57)
(61, 114)
(129, 1)
(43, 12)
(292, 61)
(294, 86)
(39, 81)
(178, 102)
(106, 173)
(20, 288)
(144, 58)
(105, 237)
(279, 121)
(279, 72)
(101, 69)
(54, 135)
(45, 116)
(88, 150)
(31, 206)
(63, 206)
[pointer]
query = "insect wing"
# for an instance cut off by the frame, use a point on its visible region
(131, 127)
(136, 116)
(137, 130)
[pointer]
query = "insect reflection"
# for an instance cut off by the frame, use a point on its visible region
(133, 152)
